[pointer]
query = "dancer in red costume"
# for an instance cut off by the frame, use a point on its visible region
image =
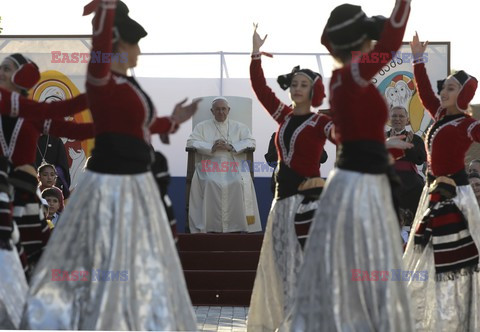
(445, 237)
(21, 123)
(356, 227)
(300, 139)
(115, 234)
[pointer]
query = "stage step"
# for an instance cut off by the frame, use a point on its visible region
(219, 260)
(220, 242)
(221, 297)
(217, 280)
(220, 268)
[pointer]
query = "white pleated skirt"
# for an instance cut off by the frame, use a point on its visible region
(280, 260)
(355, 230)
(448, 305)
(116, 230)
(13, 289)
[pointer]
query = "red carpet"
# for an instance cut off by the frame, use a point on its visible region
(220, 268)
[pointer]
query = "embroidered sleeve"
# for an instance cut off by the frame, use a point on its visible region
(265, 95)
(325, 126)
(473, 131)
(98, 73)
(425, 91)
(15, 105)
(362, 68)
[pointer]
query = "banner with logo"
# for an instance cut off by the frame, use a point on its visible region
(396, 81)
(169, 78)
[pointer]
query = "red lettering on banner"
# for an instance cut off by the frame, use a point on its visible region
(55, 56)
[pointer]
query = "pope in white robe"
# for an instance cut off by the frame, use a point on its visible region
(222, 195)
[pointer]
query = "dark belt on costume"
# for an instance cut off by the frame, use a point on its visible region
(290, 183)
(363, 156)
(120, 154)
(287, 181)
(460, 178)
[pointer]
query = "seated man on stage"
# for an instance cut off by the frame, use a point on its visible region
(222, 195)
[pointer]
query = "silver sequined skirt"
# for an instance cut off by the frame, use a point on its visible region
(13, 289)
(111, 263)
(278, 268)
(354, 243)
(448, 305)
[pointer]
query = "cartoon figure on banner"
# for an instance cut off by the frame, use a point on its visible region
(399, 90)
(55, 86)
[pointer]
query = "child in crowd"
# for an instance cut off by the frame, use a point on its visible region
(45, 208)
(47, 175)
(54, 198)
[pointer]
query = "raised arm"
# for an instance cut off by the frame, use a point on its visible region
(264, 94)
(15, 105)
(98, 74)
(390, 41)
(424, 88)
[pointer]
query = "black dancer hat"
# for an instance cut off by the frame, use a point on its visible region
(27, 73)
(318, 90)
(125, 27)
(128, 29)
(348, 27)
(468, 86)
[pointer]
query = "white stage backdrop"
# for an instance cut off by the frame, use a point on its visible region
(168, 78)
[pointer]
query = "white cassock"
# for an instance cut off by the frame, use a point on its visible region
(222, 195)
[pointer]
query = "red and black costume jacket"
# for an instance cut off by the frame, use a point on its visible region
(123, 114)
(24, 120)
(299, 139)
(18, 143)
(444, 224)
(449, 138)
(21, 123)
(359, 112)
(15, 105)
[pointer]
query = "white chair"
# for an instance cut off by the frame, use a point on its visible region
(240, 110)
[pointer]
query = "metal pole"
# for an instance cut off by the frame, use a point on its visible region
(221, 73)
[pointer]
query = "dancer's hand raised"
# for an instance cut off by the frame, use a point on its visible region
(183, 113)
(257, 40)
(418, 48)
